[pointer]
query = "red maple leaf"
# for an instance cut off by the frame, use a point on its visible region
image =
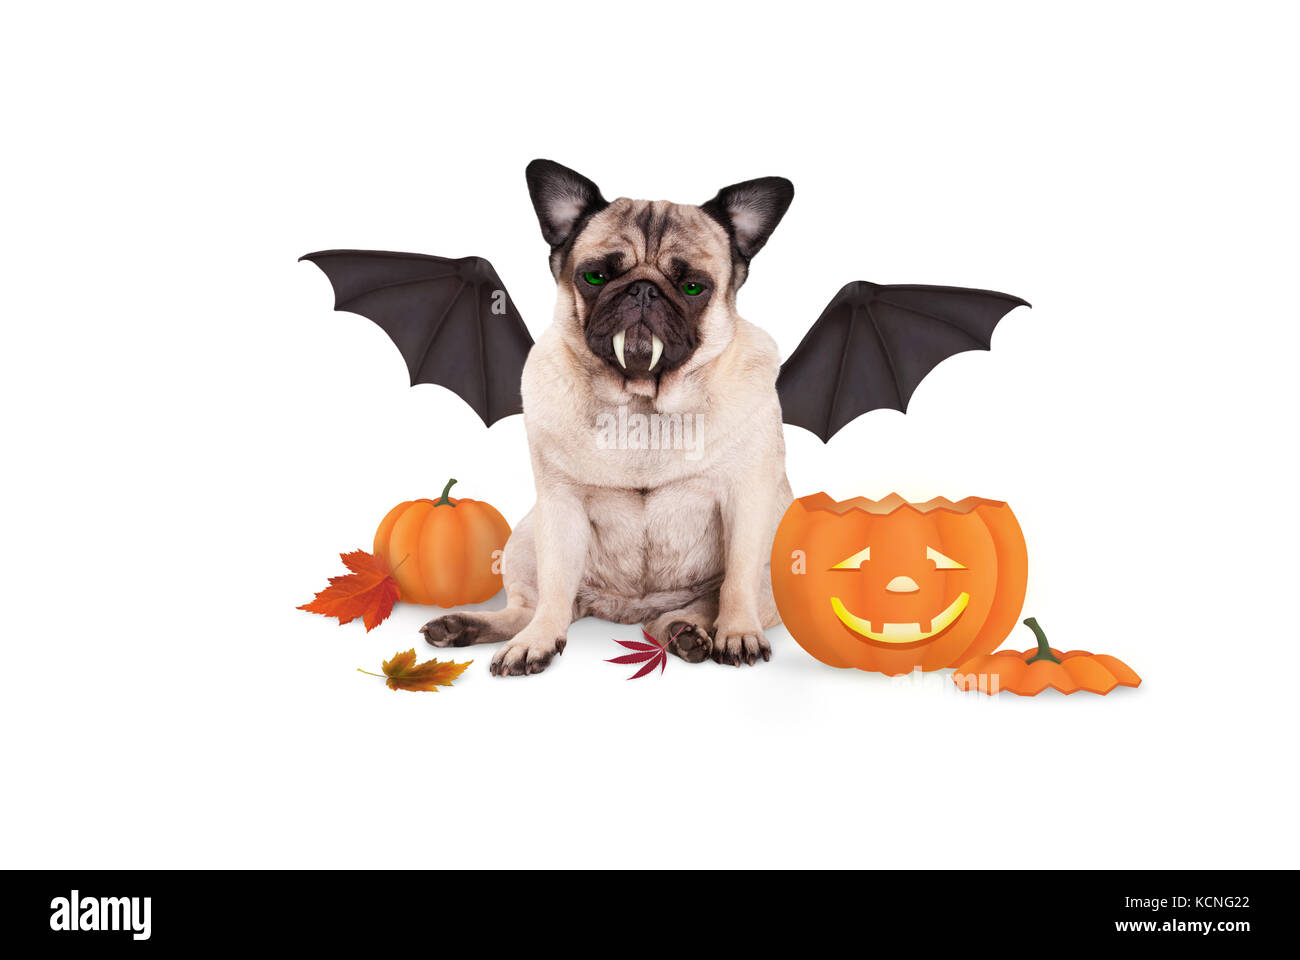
(652, 654)
(368, 592)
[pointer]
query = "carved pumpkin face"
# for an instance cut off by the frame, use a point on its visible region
(888, 585)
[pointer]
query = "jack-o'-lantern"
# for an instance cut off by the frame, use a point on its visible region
(889, 586)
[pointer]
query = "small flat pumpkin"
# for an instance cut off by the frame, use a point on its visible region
(1030, 672)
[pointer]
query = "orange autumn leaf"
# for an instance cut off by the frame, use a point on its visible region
(404, 674)
(368, 592)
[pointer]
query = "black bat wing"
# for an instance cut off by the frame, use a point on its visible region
(452, 320)
(874, 343)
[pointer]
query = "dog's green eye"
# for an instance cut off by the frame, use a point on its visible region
(692, 289)
(595, 279)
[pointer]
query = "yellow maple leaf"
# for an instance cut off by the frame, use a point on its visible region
(403, 673)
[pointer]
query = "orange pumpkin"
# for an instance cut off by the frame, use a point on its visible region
(890, 586)
(446, 551)
(1033, 671)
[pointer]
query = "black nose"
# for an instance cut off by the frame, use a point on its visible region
(642, 292)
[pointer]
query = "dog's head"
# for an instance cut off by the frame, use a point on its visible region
(648, 287)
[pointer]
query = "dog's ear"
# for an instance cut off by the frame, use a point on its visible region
(563, 199)
(751, 210)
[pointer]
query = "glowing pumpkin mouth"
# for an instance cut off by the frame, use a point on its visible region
(896, 634)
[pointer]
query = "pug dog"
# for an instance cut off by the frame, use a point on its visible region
(654, 431)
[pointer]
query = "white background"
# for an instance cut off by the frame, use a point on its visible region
(191, 436)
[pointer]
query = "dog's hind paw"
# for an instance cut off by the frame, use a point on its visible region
(457, 630)
(690, 642)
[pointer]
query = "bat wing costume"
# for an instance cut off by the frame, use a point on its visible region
(455, 325)
(452, 320)
(874, 343)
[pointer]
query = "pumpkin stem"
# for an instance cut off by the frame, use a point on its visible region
(444, 498)
(1044, 648)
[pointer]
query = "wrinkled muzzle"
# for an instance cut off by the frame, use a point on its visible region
(639, 331)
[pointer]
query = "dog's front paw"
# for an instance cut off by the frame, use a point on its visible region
(740, 646)
(690, 642)
(525, 654)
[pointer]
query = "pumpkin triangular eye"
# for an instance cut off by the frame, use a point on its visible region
(941, 562)
(855, 561)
